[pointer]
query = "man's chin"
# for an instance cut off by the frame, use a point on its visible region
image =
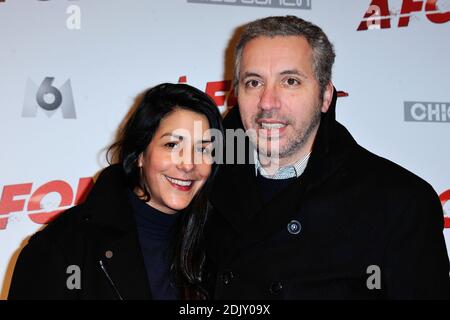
(271, 146)
(269, 152)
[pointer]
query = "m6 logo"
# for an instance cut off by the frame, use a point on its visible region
(378, 15)
(48, 98)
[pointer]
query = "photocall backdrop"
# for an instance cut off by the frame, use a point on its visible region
(71, 69)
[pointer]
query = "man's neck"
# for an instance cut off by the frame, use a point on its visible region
(272, 164)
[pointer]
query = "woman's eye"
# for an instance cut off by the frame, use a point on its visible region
(170, 145)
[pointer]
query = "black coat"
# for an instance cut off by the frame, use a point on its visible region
(355, 210)
(99, 237)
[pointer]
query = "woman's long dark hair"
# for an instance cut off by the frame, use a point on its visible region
(187, 247)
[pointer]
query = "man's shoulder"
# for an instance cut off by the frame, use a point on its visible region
(387, 173)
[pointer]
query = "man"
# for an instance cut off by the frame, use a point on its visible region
(329, 219)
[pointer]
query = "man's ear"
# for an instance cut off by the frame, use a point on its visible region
(327, 97)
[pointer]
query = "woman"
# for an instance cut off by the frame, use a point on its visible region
(139, 233)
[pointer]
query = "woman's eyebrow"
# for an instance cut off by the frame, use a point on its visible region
(170, 134)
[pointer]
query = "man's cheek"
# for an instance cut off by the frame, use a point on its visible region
(244, 116)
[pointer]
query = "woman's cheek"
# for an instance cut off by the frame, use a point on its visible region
(205, 171)
(163, 159)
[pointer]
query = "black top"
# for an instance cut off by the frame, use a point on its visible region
(155, 229)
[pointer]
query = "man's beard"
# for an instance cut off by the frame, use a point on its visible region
(294, 143)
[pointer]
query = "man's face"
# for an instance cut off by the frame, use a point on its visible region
(278, 96)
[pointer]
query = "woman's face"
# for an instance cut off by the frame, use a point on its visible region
(177, 161)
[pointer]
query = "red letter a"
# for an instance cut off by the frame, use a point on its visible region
(373, 16)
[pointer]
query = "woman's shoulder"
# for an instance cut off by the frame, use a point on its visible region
(42, 264)
(66, 230)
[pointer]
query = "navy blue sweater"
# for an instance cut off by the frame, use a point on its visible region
(269, 188)
(155, 229)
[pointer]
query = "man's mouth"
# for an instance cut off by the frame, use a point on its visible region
(271, 128)
(270, 124)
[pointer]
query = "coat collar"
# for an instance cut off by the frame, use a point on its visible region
(237, 182)
(108, 201)
(115, 235)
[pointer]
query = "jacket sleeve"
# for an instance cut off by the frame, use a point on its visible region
(40, 271)
(416, 261)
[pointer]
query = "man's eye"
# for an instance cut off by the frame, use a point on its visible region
(292, 82)
(252, 83)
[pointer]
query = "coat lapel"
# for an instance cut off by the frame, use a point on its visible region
(124, 265)
(236, 196)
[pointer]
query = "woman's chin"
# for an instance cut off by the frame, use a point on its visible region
(177, 206)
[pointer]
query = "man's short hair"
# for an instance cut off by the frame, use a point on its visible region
(323, 52)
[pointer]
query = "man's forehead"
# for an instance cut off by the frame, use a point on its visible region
(291, 54)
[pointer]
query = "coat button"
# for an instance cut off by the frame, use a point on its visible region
(294, 227)
(276, 287)
(227, 277)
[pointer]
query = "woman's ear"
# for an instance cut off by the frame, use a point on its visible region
(140, 157)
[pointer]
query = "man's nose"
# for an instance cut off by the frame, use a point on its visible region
(269, 98)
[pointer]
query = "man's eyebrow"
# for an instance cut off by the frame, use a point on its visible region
(293, 72)
(250, 74)
(285, 72)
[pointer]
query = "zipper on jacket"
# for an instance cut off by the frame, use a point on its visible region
(110, 280)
